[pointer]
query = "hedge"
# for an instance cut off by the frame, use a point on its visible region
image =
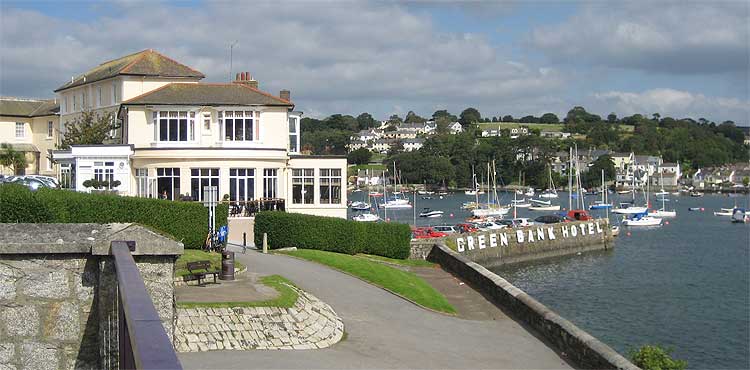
(332, 234)
(184, 221)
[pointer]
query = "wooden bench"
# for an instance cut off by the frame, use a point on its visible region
(198, 270)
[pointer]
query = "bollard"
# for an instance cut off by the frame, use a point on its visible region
(265, 243)
(244, 242)
(227, 266)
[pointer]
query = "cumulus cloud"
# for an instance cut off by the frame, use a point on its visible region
(335, 57)
(675, 103)
(665, 37)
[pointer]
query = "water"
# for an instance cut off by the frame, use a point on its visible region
(683, 285)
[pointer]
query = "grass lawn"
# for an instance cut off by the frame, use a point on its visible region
(400, 282)
(193, 255)
(287, 296)
(509, 125)
(408, 263)
(353, 170)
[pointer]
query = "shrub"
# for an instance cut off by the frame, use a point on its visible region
(184, 221)
(332, 234)
(656, 358)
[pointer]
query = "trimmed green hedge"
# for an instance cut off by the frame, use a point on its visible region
(332, 234)
(184, 221)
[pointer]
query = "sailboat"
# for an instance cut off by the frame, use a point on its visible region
(492, 208)
(662, 212)
(396, 202)
(629, 208)
(473, 183)
(551, 192)
(644, 218)
(601, 204)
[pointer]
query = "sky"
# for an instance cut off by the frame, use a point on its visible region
(679, 59)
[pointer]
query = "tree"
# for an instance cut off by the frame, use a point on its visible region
(412, 117)
(469, 116)
(529, 119)
(444, 114)
(365, 121)
(88, 128)
(10, 158)
(394, 119)
(549, 118)
(359, 156)
(508, 118)
(494, 119)
(593, 177)
(612, 118)
(656, 358)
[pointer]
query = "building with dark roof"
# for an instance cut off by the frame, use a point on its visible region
(32, 127)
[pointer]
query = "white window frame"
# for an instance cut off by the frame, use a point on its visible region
(49, 163)
(158, 115)
(50, 129)
(270, 183)
(99, 96)
(83, 99)
(142, 183)
(20, 130)
(248, 178)
(244, 115)
(198, 174)
(114, 93)
(105, 171)
(75, 103)
(65, 105)
(300, 176)
(295, 134)
(327, 178)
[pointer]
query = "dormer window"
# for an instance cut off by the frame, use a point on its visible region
(238, 125)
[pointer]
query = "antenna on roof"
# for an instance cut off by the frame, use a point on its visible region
(231, 49)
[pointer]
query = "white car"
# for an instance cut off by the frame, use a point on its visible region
(445, 229)
(523, 222)
(489, 225)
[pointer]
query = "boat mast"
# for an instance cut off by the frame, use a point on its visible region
(385, 197)
(570, 179)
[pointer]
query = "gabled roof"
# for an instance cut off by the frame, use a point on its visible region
(207, 94)
(27, 107)
(144, 63)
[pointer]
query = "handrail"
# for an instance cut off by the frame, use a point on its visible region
(144, 343)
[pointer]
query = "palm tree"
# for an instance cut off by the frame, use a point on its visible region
(11, 158)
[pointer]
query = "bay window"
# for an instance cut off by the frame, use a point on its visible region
(200, 178)
(330, 186)
(238, 125)
(241, 184)
(303, 186)
(174, 126)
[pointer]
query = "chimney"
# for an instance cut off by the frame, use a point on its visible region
(246, 79)
(286, 95)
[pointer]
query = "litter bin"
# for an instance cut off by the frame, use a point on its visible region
(227, 266)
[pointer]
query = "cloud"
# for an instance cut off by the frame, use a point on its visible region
(334, 57)
(664, 37)
(674, 103)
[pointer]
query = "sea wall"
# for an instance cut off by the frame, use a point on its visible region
(506, 246)
(582, 348)
(58, 292)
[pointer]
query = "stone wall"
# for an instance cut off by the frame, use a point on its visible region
(582, 348)
(500, 247)
(58, 292)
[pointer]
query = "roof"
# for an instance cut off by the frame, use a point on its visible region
(23, 147)
(144, 63)
(28, 107)
(669, 164)
(207, 94)
(414, 141)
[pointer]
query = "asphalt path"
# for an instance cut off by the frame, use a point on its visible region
(384, 331)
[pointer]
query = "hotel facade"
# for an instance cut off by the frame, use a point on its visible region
(175, 135)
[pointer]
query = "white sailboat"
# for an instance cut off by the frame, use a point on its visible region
(397, 202)
(492, 208)
(601, 204)
(643, 219)
(630, 208)
(473, 191)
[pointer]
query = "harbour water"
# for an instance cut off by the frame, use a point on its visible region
(685, 284)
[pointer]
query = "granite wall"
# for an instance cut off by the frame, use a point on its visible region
(58, 292)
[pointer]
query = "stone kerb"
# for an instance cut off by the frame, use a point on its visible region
(582, 348)
(309, 324)
(58, 301)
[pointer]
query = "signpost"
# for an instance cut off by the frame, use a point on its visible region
(210, 199)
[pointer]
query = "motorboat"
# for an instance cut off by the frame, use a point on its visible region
(430, 213)
(544, 208)
(360, 206)
(542, 202)
(490, 210)
(548, 194)
(366, 217)
(695, 209)
(522, 205)
(740, 216)
(696, 194)
(599, 205)
(396, 204)
(615, 230)
(623, 192)
(529, 192)
(730, 211)
(629, 209)
(470, 192)
(662, 213)
(641, 219)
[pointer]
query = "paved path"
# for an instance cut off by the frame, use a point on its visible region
(384, 331)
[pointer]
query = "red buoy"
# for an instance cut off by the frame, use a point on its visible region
(451, 214)
(628, 233)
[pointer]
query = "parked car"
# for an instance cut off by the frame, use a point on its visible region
(466, 228)
(551, 219)
(490, 225)
(46, 179)
(31, 183)
(445, 229)
(523, 221)
(579, 215)
(426, 233)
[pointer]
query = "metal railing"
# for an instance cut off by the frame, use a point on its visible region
(251, 207)
(144, 343)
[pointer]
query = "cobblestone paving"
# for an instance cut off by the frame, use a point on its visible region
(309, 324)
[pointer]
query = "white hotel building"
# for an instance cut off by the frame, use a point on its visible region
(177, 135)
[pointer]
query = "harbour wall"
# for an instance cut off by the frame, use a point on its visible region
(507, 246)
(578, 345)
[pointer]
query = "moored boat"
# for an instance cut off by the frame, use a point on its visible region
(544, 208)
(430, 213)
(641, 219)
(360, 206)
(366, 217)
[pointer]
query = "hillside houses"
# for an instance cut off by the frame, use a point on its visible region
(723, 176)
(410, 135)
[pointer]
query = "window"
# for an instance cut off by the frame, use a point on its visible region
(49, 164)
(65, 105)
(238, 125)
(115, 97)
(50, 129)
(142, 183)
(83, 100)
(293, 135)
(168, 183)
(66, 175)
(99, 96)
(20, 130)
(75, 104)
(303, 186)
(241, 184)
(270, 183)
(330, 186)
(200, 178)
(207, 121)
(174, 125)
(105, 171)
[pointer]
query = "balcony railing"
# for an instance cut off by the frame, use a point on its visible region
(251, 207)
(144, 343)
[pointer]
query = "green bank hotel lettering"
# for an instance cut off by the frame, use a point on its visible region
(529, 235)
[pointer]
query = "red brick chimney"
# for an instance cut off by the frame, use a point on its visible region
(286, 95)
(246, 79)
